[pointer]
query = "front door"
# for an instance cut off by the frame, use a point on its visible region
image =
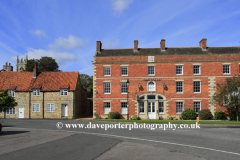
(151, 110)
(64, 110)
(21, 112)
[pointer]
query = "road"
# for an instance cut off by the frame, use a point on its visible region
(41, 139)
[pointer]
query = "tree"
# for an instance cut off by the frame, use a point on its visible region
(228, 94)
(87, 83)
(6, 101)
(44, 64)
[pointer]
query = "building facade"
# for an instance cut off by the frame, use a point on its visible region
(44, 95)
(154, 83)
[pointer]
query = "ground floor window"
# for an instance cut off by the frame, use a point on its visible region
(10, 110)
(197, 106)
(179, 107)
(50, 107)
(107, 107)
(160, 107)
(141, 107)
(36, 108)
(124, 107)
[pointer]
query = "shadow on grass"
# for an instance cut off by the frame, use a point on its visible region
(4, 133)
(7, 126)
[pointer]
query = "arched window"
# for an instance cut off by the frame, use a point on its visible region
(151, 86)
(160, 97)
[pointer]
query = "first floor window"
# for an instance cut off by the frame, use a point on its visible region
(124, 71)
(107, 71)
(107, 107)
(107, 87)
(151, 70)
(161, 107)
(36, 92)
(179, 87)
(196, 69)
(151, 86)
(226, 69)
(179, 70)
(10, 110)
(197, 106)
(179, 107)
(63, 92)
(196, 86)
(124, 87)
(124, 107)
(36, 108)
(50, 107)
(11, 92)
(141, 107)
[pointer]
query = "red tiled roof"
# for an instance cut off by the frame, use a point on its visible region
(49, 81)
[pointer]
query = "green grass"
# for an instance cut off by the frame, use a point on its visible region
(173, 121)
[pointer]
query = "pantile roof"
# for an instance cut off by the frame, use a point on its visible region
(47, 81)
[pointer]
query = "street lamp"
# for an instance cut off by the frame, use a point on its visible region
(127, 100)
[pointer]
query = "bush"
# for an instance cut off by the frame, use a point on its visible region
(169, 117)
(219, 115)
(205, 114)
(135, 117)
(188, 114)
(114, 115)
(97, 116)
(232, 115)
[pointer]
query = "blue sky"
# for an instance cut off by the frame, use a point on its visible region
(67, 30)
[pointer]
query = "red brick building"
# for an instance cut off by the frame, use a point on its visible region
(157, 82)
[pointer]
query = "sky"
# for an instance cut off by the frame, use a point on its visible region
(67, 30)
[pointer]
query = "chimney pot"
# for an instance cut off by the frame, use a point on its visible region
(162, 44)
(99, 46)
(203, 44)
(135, 45)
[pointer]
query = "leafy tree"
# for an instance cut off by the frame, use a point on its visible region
(6, 101)
(87, 83)
(228, 94)
(44, 64)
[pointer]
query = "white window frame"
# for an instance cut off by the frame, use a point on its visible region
(11, 92)
(36, 92)
(179, 65)
(198, 69)
(153, 69)
(122, 70)
(196, 108)
(229, 65)
(140, 109)
(35, 107)
(179, 102)
(124, 88)
(124, 107)
(162, 107)
(104, 73)
(50, 107)
(105, 89)
(179, 86)
(154, 89)
(107, 108)
(10, 110)
(194, 87)
(63, 91)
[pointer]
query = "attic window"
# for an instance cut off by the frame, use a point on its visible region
(11, 92)
(36, 92)
(63, 92)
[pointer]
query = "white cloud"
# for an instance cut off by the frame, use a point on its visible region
(111, 43)
(69, 43)
(120, 5)
(39, 33)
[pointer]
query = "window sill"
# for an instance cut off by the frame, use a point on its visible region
(107, 75)
(196, 92)
(179, 113)
(142, 113)
(197, 74)
(151, 75)
(161, 113)
(106, 93)
(179, 93)
(179, 74)
(151, 91)
(226, 73)
(124, 75)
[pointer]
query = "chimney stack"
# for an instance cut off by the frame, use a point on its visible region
(6, 63)
(99, 47)
(9, 64)
(203, 44)
(35, 71)
(135, 45)
(162, 44)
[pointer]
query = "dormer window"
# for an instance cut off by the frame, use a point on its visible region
(36, 92)
(63, 92)
(11, 92)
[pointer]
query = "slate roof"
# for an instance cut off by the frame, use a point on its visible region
(47, 81)
(168, 51)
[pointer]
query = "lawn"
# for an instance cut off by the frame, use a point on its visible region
(173, 121)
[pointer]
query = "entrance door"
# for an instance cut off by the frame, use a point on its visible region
(64, 110)
(21, 112)
(151, 110)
